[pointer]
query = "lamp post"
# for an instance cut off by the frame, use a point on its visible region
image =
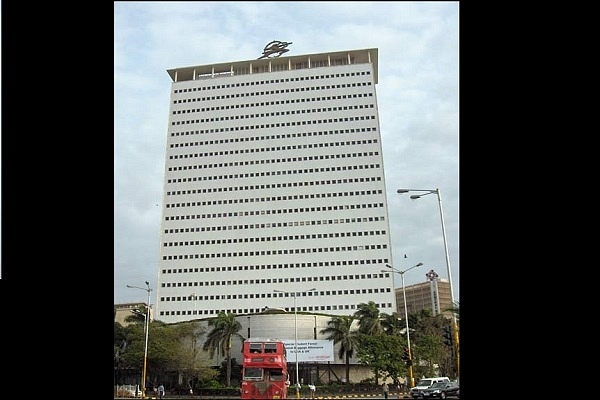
(295, 337)
(454, 322)
(411, 380)
(146, 323)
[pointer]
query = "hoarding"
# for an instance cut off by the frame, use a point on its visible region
(309, 350)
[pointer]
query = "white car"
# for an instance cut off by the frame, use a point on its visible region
(424, 383)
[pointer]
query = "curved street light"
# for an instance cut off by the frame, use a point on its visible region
(295, 336)
(411, 380)
(454, 322)
(146, 323)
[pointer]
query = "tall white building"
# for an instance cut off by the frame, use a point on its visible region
(274, 185)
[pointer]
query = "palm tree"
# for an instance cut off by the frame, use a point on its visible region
(369, 319)
(392, 323)
(339, 329)
(219, 339)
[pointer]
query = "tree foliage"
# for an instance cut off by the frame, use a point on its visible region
(194, 362)
(381, 338)
(383, 354)
(369, 318)
(339, 330)
(168, 350)
(225, 326)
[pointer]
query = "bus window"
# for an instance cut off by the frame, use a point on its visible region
(270, 347)
(253, 373)
(276, 375)
(255, 348)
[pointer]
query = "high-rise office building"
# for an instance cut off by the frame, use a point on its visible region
(274, 185)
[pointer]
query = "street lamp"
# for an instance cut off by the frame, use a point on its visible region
(411, 380)
(454, 322)
(295, 337)
(146, 323)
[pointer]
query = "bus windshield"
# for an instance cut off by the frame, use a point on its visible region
(253, 373)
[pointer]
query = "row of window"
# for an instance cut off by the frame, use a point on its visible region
(282, 172)
(275, 148)
(315, 236)
(279, 102)
(262, 253)
(277, 198)
(215, 312)
(268, 295)
(316, 308)
(275, 125)
(280, 113)
(283, 224)
(263, 267)
(271, 93)
(263, 281)
(341, 207)
(272, 81)
(266, 160)
(276, 136)
(275, 185)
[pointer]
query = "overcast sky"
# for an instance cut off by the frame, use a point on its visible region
(417, 96)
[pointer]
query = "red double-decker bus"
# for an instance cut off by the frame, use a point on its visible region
(264, 369)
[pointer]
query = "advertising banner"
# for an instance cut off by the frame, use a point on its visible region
(309, 350)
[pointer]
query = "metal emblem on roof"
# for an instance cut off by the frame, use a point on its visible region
(275, 49)
(431, 275)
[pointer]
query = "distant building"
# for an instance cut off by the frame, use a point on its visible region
(123, 310)
(432, 295)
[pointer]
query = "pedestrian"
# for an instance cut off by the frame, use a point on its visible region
(161, 391)
(386, 390)
(312, 390)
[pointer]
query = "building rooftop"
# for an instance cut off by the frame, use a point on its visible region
(293, 62)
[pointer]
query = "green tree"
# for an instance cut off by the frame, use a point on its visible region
(225, 326)
(392, 324)
(194, 362)
(369, 318)
(120, 346)
(383, 354)
(236, 371)
(455, 309)
(169, 349)
(430, 356)
(339, 329)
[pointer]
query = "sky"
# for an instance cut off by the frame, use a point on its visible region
(417, 97)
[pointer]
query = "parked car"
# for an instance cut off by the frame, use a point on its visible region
(441, 390)
(424, 383)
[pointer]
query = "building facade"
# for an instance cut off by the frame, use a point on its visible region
(274, 189)
(124, 310)
(432, 295)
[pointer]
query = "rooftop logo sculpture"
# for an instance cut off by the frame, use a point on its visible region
(275, 49)
(431, 275)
